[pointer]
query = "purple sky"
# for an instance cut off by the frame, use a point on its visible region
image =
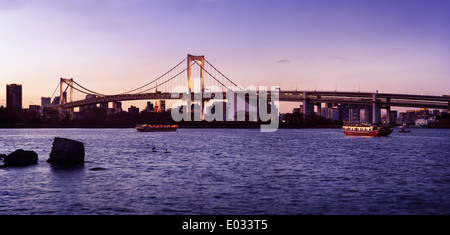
(111, 46)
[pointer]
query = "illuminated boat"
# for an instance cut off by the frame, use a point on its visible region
(156, 128)
(366, 130)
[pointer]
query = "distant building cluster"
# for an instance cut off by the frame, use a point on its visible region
(344, 113)
(421, 117)
(14, 111)
(361, 114)
(159, 106)
(339, 112)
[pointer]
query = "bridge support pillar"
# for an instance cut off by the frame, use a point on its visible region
(61, 97)
(306, 105)
(388, 115)
(376, 110)
(388, 112)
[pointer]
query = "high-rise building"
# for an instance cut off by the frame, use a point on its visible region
(133, 110)
(409, 117)
(117, 106)
(88, 107)
(393, 116)
(162, 105)
(45, 101)
(364, 116)
(354, 115)
(34, 108)
(104, 107)
(56, 100)
(149, 107)
(14, 97)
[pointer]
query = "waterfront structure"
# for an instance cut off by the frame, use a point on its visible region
(91, 106)
(162, 106)
(14, 97)
(149, 107)
(117, 107)
(45, 101)
(133, 110)
(393, 116)
(423, 122)
(104, 107)
(57, 99)
(364, 116)
(331, 114)
(354, 116)
(201, 74)
(34, 108)
(409, 117)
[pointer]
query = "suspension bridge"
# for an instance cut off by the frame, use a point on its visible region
(197, 74)
(180, 76)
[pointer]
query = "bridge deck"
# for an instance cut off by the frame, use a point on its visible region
(363, 98)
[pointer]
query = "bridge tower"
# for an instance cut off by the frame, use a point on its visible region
(62, 101)
(201, 61)
(191, 80)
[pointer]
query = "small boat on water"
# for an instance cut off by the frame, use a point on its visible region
(156, 128)
(403, 129)
(366, 130)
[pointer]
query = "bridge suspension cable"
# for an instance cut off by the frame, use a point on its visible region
(155, 80)
(171, 79)
(87, 93)
(84, 90)
(166, 81)
(215, 78)
(92, 92)
(51, 97)
(220, 73)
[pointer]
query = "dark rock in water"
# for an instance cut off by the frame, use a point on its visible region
(66, 152)
(2, 156)
(21, 157)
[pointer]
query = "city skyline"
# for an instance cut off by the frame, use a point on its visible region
(113, 46)
(344, 111)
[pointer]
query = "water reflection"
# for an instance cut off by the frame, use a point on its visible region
(232, 172)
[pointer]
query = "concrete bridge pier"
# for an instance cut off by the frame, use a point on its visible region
(388, 115)
(376, 109)
(306, 106)
(388, 112)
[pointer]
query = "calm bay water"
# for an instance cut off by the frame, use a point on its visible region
(231, 171)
